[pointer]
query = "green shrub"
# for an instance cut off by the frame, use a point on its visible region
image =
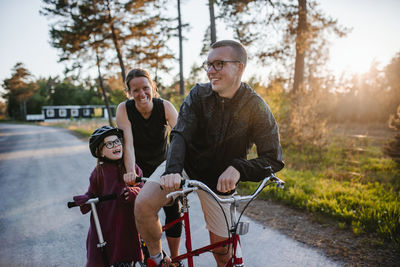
(364, 196)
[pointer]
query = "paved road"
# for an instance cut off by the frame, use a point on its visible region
(41, 168)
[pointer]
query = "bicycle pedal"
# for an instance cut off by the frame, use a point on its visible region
(242, 228)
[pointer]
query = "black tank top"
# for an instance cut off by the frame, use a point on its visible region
(149, 135)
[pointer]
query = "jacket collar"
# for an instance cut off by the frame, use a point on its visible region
(237, 97)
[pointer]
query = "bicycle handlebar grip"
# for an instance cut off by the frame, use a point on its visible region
(180, 186)
(71, 204)
(139, 179)
(107, 197)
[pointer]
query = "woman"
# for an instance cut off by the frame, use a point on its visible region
(145, 119)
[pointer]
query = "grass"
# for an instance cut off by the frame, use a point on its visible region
(359, 188)
(83, 128)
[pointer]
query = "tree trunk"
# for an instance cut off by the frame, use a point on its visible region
(103, 90)
(181, 80)
(301, 47)
(21, 111)
(212, 21)
(116, 42)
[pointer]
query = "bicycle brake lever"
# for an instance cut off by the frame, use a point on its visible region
(181, 192)
(280, 184)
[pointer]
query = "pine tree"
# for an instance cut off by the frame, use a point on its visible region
(87, 30)
(84, 28)
(291, 36)
(19, 88)
(282, 31)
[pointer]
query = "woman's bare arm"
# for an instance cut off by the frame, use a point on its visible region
(171, 115)
(129, 150)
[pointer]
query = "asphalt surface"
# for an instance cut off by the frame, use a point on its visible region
(41, 168)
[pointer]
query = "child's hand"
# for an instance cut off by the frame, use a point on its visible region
(130, 178)
(81, 199)
(130, 192)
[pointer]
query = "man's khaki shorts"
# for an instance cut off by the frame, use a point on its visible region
(216, 222)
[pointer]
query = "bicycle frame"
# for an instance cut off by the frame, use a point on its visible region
(234, 239)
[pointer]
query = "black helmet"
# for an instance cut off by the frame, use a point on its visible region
(98, 136)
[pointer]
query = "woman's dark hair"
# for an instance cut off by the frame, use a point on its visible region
(135, 73)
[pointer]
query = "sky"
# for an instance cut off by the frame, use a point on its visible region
(375, 36)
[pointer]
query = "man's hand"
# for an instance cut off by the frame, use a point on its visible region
(228, 179)
(130, 178)
(171, 182)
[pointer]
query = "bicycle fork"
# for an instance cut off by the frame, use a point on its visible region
(240, 228)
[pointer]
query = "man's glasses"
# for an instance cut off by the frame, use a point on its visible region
(111, 144)
(217, 64)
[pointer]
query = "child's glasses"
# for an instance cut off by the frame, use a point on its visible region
(111, 144)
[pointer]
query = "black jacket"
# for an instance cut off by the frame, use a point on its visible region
(213, 133)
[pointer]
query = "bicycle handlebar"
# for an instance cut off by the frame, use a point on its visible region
(189, 186)
(72, 204)
(192, 185)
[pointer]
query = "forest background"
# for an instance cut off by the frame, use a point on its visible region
(352, 179)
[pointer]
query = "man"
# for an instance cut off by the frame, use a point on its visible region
(217, 125)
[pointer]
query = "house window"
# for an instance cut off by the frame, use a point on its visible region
(74, 113)
(50, 113)
(62, 112)
(98, 112)
(86, 112)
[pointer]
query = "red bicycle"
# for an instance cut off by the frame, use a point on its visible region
(238, 228)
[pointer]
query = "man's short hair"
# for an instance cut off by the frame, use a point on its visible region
(240, 52)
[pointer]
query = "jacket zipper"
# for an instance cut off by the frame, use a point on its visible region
(221, 138)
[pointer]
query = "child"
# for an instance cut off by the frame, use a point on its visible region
(116, 216)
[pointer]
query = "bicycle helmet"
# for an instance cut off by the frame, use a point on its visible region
(98, 136)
